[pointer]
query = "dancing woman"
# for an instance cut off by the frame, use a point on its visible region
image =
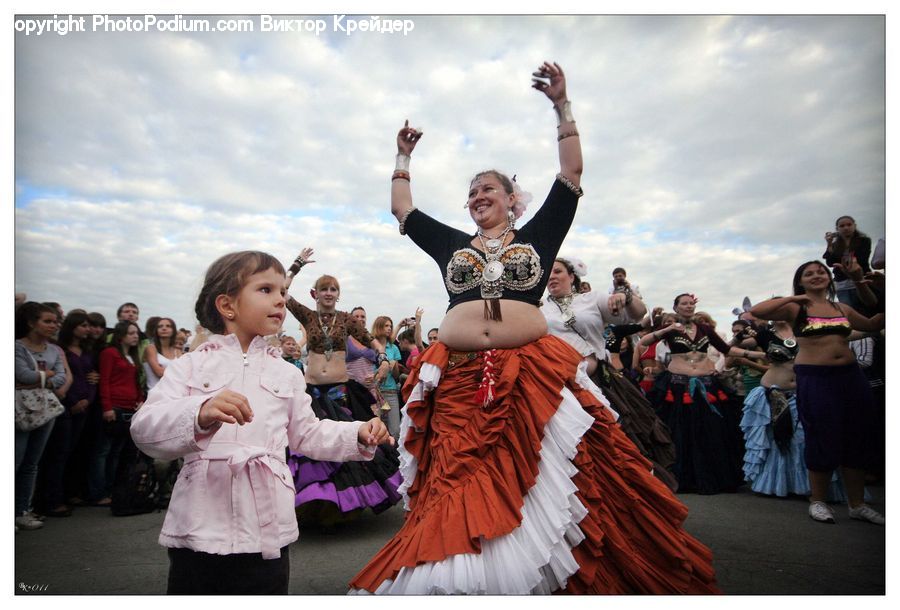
(701, 416)
(579, 319)
(834, 400)
(331, 492)
(517, 479)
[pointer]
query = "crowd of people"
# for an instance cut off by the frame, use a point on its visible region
(536, 439)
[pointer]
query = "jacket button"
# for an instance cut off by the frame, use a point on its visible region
(206, 384)
(276, 390)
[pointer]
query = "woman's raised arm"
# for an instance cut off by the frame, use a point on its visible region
(401, 195)
(551, 81)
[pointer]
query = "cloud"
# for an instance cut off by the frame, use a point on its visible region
(718, 150)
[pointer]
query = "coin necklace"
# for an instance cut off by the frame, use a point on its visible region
(493, 270)
(327, 343)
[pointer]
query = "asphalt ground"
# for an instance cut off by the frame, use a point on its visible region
(761, 546)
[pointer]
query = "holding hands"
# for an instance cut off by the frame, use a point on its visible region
(374, 432)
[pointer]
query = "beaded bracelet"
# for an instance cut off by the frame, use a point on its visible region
(570, 185)
(568, 134)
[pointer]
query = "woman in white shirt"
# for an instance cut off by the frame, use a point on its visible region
(580, 319)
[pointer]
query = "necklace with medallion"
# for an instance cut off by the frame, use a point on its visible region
(326, 329)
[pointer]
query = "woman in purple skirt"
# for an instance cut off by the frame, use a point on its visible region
(833, 397)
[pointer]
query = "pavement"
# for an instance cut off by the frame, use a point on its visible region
(761, 546)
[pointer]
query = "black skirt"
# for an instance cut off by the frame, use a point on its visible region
(703, 419)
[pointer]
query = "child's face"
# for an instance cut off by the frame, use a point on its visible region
(259, 307)
(289, 347)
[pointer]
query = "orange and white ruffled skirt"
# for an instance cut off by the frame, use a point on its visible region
(537, 492)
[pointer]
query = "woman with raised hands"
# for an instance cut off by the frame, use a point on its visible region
(516, 478)
(329, 493)
(834, 400)
(701, 415)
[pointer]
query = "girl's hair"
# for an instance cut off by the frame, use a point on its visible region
(67, 332)
(744, 323)
(678, 298)
(570, 268)
(156, 340)
(28, 314)
(97, 319)
(704, 318)
(503, 178)
(664, 317)
(327, 280)
(855, 239)
(379, 324)
(150, 326)
(798, 289)
(408, 335)
(227, 275)
(119, 332)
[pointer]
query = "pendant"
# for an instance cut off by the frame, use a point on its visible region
(493, 243)
(492, 271)
(328, 353)
(790, 343)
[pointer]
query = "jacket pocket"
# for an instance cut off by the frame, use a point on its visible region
(186, 510)
(208, 382)
(278, 387)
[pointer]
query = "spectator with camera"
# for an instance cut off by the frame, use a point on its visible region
(845, 245)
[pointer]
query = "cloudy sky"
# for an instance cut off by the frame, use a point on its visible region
(718, 151)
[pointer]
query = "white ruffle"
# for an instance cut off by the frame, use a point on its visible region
(582, 379)
(536, 557)
(429, 377)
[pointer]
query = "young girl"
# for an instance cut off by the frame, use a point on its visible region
(230, 407)
(120, 396)
(161, 351)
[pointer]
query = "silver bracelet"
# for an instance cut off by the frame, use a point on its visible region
(564, 114)
(403, 220)
(402, 162)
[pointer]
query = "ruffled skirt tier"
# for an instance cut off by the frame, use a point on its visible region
(538, 492)
(328, 490)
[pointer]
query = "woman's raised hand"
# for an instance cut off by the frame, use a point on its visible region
(550, 80)
(407, 138)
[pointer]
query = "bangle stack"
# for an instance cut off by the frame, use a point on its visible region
(400, 174)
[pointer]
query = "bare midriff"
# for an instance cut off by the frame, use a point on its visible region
(780, 374)
(692, 364)
(321, 370)
(825, 350)
(465, 328)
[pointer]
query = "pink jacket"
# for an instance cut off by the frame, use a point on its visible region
(235, 493)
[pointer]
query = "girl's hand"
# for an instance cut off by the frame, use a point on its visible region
(109, 416)
(555, 89)
(227, 407)
(407, 139)
(419, 312)
(676, 327)
(373, 433)
(79, 407)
